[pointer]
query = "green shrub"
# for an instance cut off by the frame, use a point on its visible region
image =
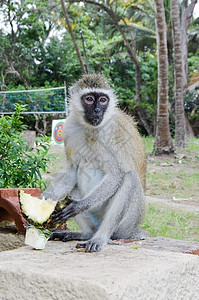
(20, 165)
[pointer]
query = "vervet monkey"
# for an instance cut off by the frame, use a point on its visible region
(105, 168)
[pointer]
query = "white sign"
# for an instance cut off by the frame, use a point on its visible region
(57, 132)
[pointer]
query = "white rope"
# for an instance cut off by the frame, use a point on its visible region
(28, 91)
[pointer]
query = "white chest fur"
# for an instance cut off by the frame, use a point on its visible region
(83, 151)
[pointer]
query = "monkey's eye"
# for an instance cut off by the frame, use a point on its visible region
(103, 100)
(89, 99)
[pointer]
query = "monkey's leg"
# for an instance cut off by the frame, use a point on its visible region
(123, 213)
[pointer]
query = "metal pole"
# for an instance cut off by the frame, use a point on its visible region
(65, 94)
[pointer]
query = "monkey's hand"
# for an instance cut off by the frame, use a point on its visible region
(67, 212)
(93, 245)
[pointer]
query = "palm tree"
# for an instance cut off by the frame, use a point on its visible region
(163, 142)
(186, 14)
(141, 16)
(180, 126)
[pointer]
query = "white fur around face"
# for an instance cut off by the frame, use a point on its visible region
(76, 108)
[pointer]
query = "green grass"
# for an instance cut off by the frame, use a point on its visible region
(193, 144)
(148, 143)
(171, 176)
(163, 221)
(72, 225)
(179, 184)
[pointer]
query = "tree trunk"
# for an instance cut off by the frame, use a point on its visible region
(189, 129)
(180, 131)
(163, 142)
(73, 37)
(85, 54)
(186, 14)
(44, 121)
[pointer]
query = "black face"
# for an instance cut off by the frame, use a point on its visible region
(95, 105)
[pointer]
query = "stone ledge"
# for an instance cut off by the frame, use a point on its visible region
(10, 241)
(61, 271)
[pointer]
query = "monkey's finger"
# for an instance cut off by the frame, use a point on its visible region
(92, 247)
(57, 218)
(89, 246)
(81, 245)
(64, 215)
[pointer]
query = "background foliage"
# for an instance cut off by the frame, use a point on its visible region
(20, 165)
(37, 51)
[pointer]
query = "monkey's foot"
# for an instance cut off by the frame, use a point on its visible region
(90, 245)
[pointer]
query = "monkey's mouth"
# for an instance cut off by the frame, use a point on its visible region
(95, 121)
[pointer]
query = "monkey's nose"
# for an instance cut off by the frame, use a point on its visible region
(97, 109)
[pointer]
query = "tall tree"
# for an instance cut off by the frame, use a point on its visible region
(180, 126)
(163, 142)
(26, 27)
(186, 14)
(73, 37)
(129, 42)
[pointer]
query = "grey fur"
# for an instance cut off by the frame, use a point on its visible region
(105, 170)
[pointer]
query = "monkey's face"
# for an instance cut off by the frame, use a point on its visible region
(95, 105)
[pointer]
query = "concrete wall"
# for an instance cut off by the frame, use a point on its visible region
(60, 271)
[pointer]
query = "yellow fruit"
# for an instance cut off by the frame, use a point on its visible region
(35, 209)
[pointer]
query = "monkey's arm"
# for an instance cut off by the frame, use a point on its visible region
(62, 185)
(105, 190)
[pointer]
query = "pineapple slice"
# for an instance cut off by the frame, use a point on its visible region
(36, 210)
